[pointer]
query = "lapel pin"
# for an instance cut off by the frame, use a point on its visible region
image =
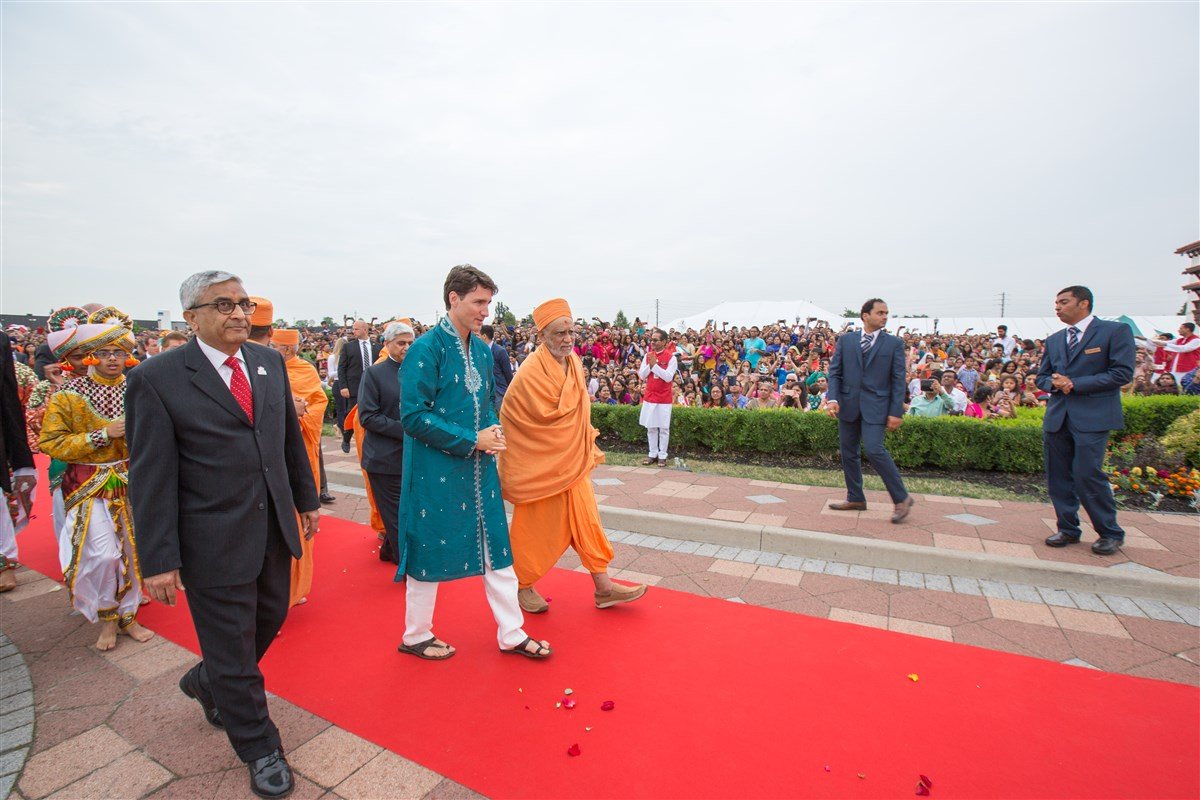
(262, 370)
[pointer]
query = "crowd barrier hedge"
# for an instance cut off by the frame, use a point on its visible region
(944, 442)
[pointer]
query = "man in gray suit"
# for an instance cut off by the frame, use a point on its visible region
(217, 473)
(866, 395)
(1083, 369)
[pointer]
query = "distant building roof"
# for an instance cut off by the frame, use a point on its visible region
(1188, 249)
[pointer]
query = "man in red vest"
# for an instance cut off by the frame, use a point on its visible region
(1185, 351)
(658, 371)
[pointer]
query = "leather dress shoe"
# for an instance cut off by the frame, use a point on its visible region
(326, 498)
(1106, 546)
(345, 447)
(848, 505)
(902, 509)
(270, 776)
(189, 684)
(1061, 539)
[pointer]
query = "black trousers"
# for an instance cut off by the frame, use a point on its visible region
(1075, 475)
(324, 480)
(868, 435)
(236, 625)
(386, 491)
(348, 432)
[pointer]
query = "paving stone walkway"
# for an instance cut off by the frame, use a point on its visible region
(1164, 543)
(115, 725)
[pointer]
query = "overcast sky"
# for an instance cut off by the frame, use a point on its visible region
(342, 157)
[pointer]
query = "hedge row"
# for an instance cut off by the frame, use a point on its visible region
(944, 442)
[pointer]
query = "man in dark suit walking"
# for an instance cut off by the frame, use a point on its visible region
(1083, 369)
(218, 472)
(358, 353)
(866, 394)
(383, 440)
(16, 456)
(502, 368)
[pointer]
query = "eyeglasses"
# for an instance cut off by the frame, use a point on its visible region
(107, 354)
(226, 306)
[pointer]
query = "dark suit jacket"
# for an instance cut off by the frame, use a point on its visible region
(872, 387)
(379, 412)
(201, 476)
(1101, 364)
(502, 369)
(350, 367)
(14, 447)
(41, 357)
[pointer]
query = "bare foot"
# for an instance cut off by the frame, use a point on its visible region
(8, 580)
(108, 635)
(138, 633)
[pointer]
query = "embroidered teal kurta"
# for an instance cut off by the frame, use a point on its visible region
(451, 512)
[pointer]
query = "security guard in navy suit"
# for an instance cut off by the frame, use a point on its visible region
(1083, 369)
(866, 394)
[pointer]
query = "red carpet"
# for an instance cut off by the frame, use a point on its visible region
(712, 699)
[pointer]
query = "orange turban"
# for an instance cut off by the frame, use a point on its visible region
(289, 336)
(264, 315)
(549, 311)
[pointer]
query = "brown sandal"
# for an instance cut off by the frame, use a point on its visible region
(523, 649)
(419, 649)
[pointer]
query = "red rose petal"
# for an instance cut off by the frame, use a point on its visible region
(925, 780)
(568, 703)
(607, 705)
(573, 750)
(922, 790)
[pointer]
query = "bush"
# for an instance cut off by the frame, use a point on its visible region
(1154, 414)
(1183, 438)
(1002, 445)
(946, 442)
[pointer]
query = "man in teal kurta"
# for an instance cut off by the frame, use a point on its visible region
(452, 522)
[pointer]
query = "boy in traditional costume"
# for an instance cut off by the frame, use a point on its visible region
(84, 427)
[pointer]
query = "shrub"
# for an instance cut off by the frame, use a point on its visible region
(1003, 445)
(1154, 414)
(1183, 438)
(946, 442)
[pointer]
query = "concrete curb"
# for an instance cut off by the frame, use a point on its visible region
(902, 556)
(888, 555)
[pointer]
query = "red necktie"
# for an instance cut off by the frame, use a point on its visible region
(240, 387)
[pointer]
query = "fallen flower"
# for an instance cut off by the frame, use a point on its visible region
(607, 705)
(588, 730)
(922, 790)
(558, 704)
(862, 776)
(827, 768)
(914, 677)
(573, 750)
(568, 703)
(925, 780)
(568, 691)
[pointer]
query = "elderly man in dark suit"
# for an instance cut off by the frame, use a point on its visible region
(383, 440)
(218, 472)
(358, 353)
(866, 394)
(1083, 369)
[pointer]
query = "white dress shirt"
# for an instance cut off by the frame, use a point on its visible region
(218, 361)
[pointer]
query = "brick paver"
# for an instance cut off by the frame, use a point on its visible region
(115, 724)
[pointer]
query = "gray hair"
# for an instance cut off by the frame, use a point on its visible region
(397, 329)
(193, 288)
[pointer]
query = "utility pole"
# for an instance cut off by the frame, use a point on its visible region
(1003, 298)
(656, 322)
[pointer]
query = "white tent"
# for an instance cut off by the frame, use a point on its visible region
(760, 313)
(1022, 327)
